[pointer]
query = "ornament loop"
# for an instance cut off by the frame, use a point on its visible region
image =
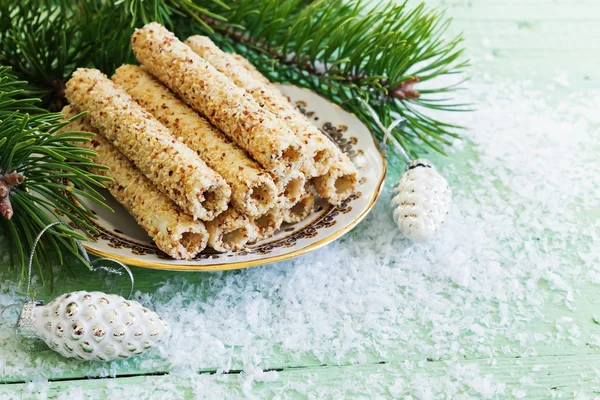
(85, 256)
(32, 254)
(114, 271)
(387, 132)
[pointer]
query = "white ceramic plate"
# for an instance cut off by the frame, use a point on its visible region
(122, 239)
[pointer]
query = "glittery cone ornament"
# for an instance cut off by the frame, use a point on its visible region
(423, 197)
(92, 325)
(422, 202)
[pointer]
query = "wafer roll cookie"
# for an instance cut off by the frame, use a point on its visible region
(290, 189)
(231, 231)
(266, 225)
(173, 231)
(252, 189)
(319, 151)
(174, 168)
(251, 69)
(339, 183)
(301, 210)
(228, 107)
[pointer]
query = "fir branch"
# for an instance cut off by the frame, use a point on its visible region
(341, 49)
(45, 40)
(42, 43)
(42, 177)
(141, 12)
(345, 50)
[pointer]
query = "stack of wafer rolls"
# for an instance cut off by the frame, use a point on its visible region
(225, 105)
(202, 148)
(176, 169)
(322, 156)
(173, 231)
(253, 191)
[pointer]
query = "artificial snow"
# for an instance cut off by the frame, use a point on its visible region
(504, 276)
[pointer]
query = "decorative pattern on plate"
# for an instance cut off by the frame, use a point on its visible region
(119, 236)
(301, 106)
(326, 220)
(336, 133)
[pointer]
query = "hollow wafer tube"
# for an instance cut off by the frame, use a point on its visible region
(301, 210)
(252, 189)
(228, 107)
(173, 167)
(173, 231)
(231, 231)
(320, 151)
(266, 225)
(290, 189)
(339, 182)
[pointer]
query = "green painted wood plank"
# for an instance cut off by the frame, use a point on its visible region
(531, 13)
(515, 5)
(511, 4)
(533, 377)
(531, 35)
(530, 39)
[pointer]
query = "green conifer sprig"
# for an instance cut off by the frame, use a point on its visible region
(43, 176)
(342, 49)
(346, 50)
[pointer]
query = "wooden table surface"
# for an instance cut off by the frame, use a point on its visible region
(509, 40)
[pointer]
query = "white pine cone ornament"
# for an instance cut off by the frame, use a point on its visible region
(93, 326)
(422, 201)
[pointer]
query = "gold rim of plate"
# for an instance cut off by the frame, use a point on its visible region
(268, 259)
